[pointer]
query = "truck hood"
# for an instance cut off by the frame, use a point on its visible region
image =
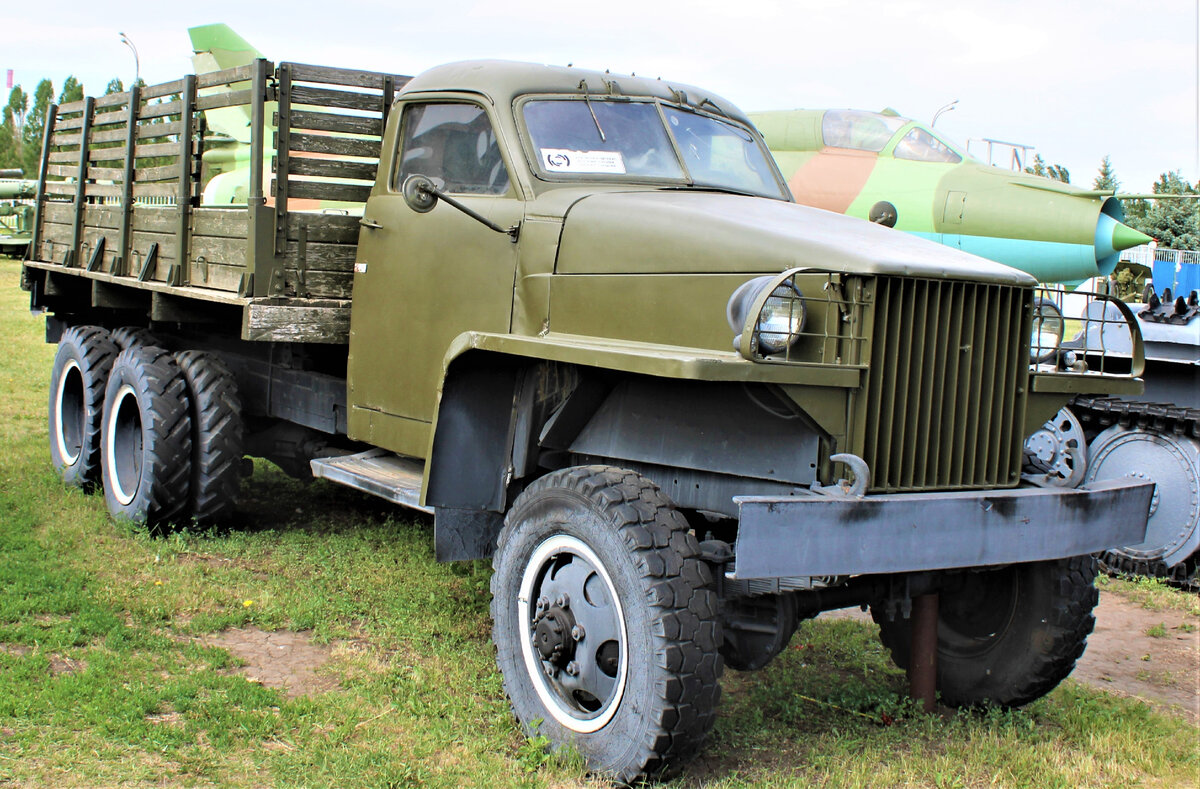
(698, 232)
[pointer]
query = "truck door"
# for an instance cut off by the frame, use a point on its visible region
(422, 279)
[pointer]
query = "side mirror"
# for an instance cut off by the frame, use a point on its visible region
(419, 193)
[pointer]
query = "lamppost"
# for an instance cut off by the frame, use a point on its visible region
(945, 108)
(137, 69)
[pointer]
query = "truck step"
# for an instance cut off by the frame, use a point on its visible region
(378, 472)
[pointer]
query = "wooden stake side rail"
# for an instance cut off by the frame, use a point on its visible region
(120, 197)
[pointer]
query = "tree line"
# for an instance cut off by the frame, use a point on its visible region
(23, 121)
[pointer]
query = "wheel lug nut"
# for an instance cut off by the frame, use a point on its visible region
(550, 670)
(573, 668)
(562, 601)
(577, 632)
(543, 603)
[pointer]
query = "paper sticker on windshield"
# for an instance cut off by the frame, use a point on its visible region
(560, 160)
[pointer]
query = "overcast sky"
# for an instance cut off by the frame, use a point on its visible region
(1076, 80)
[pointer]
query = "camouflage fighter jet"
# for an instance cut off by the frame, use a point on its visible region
(893, 170)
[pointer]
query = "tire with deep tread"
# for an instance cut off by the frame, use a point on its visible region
(77, 381)
(146, 438)
(131, 336)
(217, 443)
(1006, 637)
(668, 700)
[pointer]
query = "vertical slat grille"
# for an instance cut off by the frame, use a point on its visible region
(944, 394)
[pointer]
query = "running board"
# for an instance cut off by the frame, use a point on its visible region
(378, 472)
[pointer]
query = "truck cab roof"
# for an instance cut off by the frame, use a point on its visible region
(503, 81)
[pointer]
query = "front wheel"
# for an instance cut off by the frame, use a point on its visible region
(605, 625)
(1006, 636)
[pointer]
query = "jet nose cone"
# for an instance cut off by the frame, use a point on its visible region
(1112, 237)
(1125, 237)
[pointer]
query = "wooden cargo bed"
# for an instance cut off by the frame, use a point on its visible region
(122, 197)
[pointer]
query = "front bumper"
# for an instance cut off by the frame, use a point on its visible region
(782, 537)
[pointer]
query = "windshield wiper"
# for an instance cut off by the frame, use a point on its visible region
(586, 100)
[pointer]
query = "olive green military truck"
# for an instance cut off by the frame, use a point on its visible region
(579, 319)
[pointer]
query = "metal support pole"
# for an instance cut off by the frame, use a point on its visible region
(922, 663)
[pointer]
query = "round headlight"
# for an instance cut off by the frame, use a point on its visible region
(1046, 331)
(780, 319)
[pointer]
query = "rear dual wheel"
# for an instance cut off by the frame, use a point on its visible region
(146, 438)
(163, 433)
(77, 382)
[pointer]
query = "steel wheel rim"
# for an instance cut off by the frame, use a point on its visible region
(123, 449)
(558, 565)
(69, 413)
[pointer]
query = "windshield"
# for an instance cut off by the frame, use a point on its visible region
(628, 138)
(922, 146)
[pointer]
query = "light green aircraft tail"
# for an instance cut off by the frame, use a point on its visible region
(218, 47)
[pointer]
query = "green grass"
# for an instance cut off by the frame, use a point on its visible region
(1153, 594)
(104, 679)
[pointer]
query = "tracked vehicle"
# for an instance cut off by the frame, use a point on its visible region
(578, 318)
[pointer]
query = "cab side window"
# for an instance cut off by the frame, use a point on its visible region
(455, 146)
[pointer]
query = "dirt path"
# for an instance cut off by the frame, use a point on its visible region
(1148, 654)
(1151, 655)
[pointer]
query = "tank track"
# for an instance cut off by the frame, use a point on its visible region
(1097, 413)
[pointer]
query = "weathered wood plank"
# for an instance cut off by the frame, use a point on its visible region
(106, 173)
(155, 219)
(161, 109)
(338, 146)
(288, 323)
(64, 156)
(116, 154)
(225, 77)
(105, 120)
(165, 89)
(102, 216)
(112, 135)
(321, 190)
(60, 139)
(155, 190)
(60, 188)
(217, 276)
(168, 172)
(333, 122)
(223, 222)
(167, 129)
(112, 246)
(57, 213)
(331, 228)
(304, 72)
(233, 98)
(71, 106)
(332, 168)
(155, 149)
(65, 170)
(65, 124)
(339, 99)
(322, 257)
(55, 233)
(318, 284)
(112, 99)
(218, 251)
(102, 190)
(142, 242)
